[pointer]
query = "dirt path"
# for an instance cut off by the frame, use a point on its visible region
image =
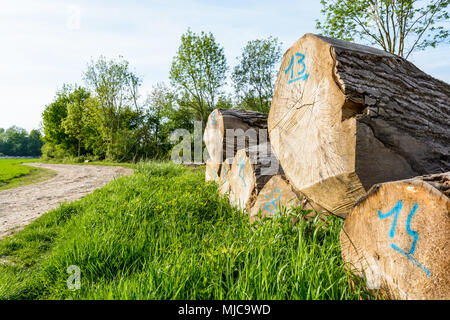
(20, 206)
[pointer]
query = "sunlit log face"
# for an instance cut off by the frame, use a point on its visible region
(398, 238)
(250, 171)
(343, 118)
(212, 171)
(276, 195)
(225, 176)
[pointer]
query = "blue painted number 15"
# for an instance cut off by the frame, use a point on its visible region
(395, 211)
(301, 74)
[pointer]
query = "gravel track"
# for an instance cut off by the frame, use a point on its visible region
(20, 206)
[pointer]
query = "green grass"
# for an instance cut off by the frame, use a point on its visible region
(12, 168)
(97, 163)
(165, 234)
(13, 174)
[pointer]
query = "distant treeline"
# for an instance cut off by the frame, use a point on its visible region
(108, 119)
(16, 141)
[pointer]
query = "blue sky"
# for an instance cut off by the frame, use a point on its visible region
(44, 44)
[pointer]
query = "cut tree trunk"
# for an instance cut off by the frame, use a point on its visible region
(212, 171)
(243, 131)
(224, 180)
(398, 237)
(278, 195)
(251, 169)
(345, 117)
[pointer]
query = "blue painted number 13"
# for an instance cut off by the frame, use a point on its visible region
(301, 74)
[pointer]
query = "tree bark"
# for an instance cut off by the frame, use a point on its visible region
(345, 117)
(398, 237)
(245, 129)
(251, 169)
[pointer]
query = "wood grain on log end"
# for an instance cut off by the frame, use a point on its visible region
(345, 117)
(251, 169)
(225, 176)
(277, 197)
(398, 238)
(212, 171)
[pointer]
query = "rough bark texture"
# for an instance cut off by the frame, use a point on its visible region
(220, 120)
(440, 181)
(251, 169)
(398, 237)
(355, 116)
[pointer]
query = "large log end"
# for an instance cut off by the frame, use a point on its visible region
(224, 179)
(398, 237)
(345, 117)
(212, 171)
(274, 197)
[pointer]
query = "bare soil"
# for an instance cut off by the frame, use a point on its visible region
(20, 206)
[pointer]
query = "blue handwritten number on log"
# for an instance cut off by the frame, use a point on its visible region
(291, 67)
(225, 174)
(396, 211)
(213, 118)
(273, 202)
(241, 170)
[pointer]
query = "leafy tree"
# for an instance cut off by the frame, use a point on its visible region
(74, 122)
(397, 26)
(198, 72)
(116, 88)
(163, 115)
(16, 141)
(55, 136)
(255, 74)
(94, 144)
(160, 103)
(35, 143)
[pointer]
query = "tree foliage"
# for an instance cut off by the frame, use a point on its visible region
(16, 141)
(397, 26)
(73, 124)
(116, 88)
(163, 115)
(53, 116)
(255, 74)
(109, 121)
(198, 72)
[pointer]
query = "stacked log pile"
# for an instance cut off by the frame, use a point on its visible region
(242, 163)
(359, 133)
